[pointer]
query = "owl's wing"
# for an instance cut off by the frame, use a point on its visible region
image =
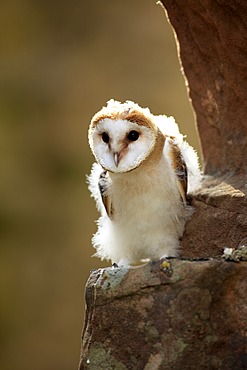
(182, 176)
(104, 182)
(180, 169)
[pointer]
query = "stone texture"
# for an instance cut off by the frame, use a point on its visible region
(219, 219)
(212, 35)
(169, 314)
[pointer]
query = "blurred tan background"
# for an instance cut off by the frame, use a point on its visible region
(60, 62)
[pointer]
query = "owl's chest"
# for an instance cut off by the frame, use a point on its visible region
(142, 196)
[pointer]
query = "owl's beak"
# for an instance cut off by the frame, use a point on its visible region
(116, 157)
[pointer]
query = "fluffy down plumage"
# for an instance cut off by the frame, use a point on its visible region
(140, 183)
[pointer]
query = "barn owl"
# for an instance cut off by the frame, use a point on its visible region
(143, 172)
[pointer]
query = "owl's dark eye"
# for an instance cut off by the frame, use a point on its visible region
(105, 137)
(133, 135)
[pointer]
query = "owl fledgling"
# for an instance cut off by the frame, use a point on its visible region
(143, 174)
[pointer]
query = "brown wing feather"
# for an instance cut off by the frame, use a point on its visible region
(180, 169)
(106, 198)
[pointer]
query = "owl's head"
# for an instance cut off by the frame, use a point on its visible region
(122, 136)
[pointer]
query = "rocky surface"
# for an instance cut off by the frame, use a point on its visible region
(220, 217)
(212, 36)
(169, 314)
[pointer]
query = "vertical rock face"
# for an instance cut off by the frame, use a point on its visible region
(167, 315)
(212, 36)
(219, 219)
